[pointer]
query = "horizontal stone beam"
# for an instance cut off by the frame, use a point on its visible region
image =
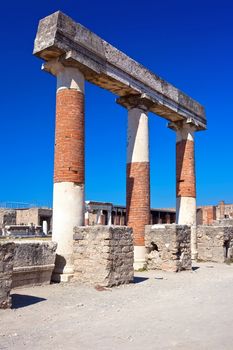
(59, 37)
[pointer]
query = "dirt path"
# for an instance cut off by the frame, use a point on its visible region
(189, 310)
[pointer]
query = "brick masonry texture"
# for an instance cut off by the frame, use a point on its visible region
(138, 199)
(6, 269)
(206, 215)
(215, 243)
(103, 255)
(185, 169)
(69, 138)
(168, 247)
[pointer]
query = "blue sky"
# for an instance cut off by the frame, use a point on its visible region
(188, 43)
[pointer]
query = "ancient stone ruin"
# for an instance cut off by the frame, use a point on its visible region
(6, 269)
(215, 243)
(103, 255)
(24, 263)
(106, 254)
(74, 54)
(168, 247)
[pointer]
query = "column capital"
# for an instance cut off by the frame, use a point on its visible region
(54, 66)
(67, 77)
(189, 124)
(184, 129)
(140, 101)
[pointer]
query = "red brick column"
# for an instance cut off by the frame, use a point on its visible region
(68, 191)
(138, 181)
(185, 179)
(138, 199)
(185, 169)
(69, 138)
(185, 176)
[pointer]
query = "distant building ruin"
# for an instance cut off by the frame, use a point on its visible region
(25, 220)
(210, 214)
(106, 213)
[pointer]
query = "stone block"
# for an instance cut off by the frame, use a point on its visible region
(104, 256)
(168, 247)
(33, 262)
(214, 243)
(6, 271)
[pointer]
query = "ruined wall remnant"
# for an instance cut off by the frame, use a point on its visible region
(33, 262)
(206, 215)
(215, 243)
(6, 268)
(35, 216)
(27, 216)
(103, 255)
(7, 217)
(168, 247)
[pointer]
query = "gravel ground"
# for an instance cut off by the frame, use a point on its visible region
(188, 310)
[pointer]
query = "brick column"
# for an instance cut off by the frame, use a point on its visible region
(68, 192)
(221, 210)
(138, 173)
(185, 179)
(138, 181)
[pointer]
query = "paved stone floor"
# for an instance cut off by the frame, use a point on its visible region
(188, 310)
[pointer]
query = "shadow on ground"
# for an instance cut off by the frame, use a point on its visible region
(139, 279)
(194, 268)
(20, 300)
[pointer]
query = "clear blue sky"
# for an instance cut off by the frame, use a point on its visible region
(188, 43)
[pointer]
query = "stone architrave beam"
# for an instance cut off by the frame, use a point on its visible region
(59, 37)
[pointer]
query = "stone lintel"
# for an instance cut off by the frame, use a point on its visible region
(104, 65)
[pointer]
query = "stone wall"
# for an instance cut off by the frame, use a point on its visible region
(224, 222)
(168, 247)
(27, 216)
(7, 217)
(206, 215)
(6, 268)
(215, 243)
(103, 255)
(224, 210)
(33, 262)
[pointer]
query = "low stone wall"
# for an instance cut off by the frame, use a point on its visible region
(33, 262)
(103, 255)
(168, 247)
(215, 243)
(224, 222)
(6, 269)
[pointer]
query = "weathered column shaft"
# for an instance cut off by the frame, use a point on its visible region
(185, 177)
(186, 180)
(138, 181)
(109, 218)
(86, 221)
(100, 217)
(68, 193)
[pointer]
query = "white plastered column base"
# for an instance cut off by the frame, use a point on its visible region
(139, 257)
(68, 212)
(186, 215)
